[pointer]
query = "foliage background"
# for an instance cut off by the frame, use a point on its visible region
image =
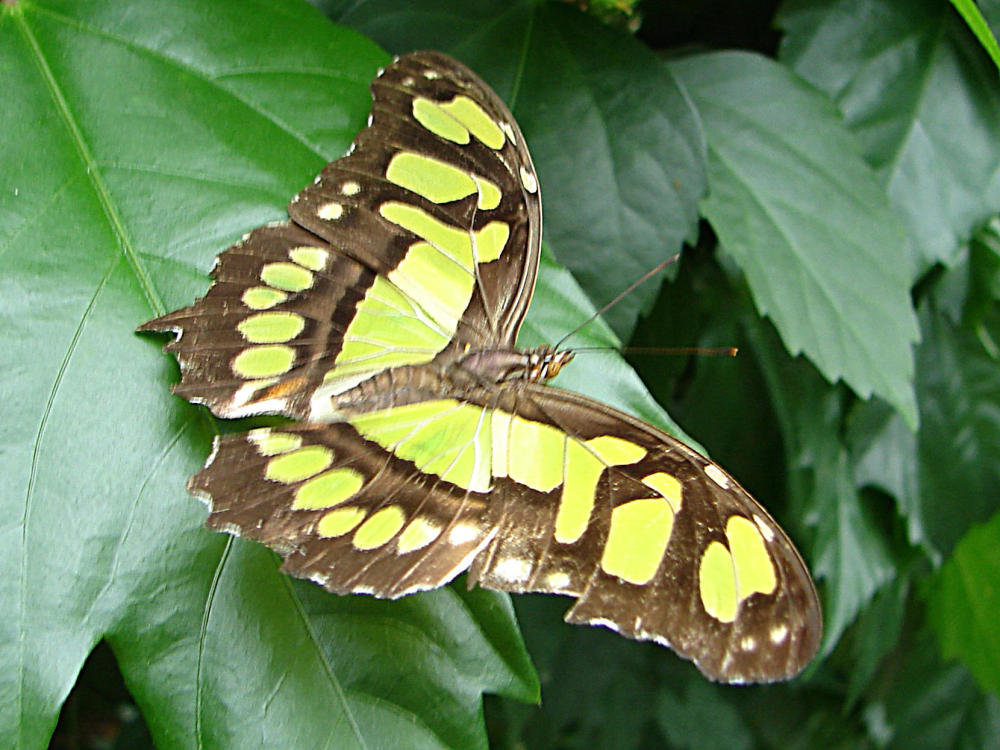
(836, 182)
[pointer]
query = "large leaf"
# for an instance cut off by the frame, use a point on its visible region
(137, 145)
(618, 148)
(807, 223)
(964, 603)
(922, 97)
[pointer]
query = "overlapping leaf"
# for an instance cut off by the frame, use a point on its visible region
(921, 95)
(796, 206)
(963, 600)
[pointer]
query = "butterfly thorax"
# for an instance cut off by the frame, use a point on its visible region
(472, 376)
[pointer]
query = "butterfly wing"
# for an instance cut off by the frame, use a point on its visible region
(331, 505)
(423, 239)
(540, 490)
(654, 541)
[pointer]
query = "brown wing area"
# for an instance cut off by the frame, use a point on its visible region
(290, 292)
(357, 184)
(209, 337)
(773, 636)
(342, 513)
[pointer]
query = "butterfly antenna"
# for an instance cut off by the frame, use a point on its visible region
(701, 351)
(619, 297)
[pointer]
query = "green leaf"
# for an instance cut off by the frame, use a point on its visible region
(876, 633)
(884, 455)
(921, 96)
(983, 285)
(959, 440)
(955, 453)
(927, 705)
(991, 13)
(591, 678)
(796, 206)
(970, 12)
(701, 719)
(964, 603)
(787, 718)
(619, 151)
(156, 137)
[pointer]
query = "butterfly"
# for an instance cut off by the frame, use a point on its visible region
(383, 317)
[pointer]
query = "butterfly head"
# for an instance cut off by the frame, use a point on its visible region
(545, 362)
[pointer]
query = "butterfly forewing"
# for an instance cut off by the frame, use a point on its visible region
(384, 318)
(431, 113)
(271, 324)
(424, 239)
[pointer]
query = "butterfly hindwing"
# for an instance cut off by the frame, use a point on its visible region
(655, 542)
(349, 518)
(539, 490)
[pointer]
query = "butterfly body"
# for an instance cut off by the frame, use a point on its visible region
(383, 317)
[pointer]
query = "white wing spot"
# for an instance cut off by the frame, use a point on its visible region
(431, 75)
(766, 531)
(350, 188)
(508, 131)
(462, 533)
(320, 578)
(529, 181)
(512, 569)
(557, 580)
(330, 211)
(749, 643)
(779, 633)
(716, 475)
(604, 623)
(408, 81)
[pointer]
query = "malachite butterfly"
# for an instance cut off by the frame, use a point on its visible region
(383, 317)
